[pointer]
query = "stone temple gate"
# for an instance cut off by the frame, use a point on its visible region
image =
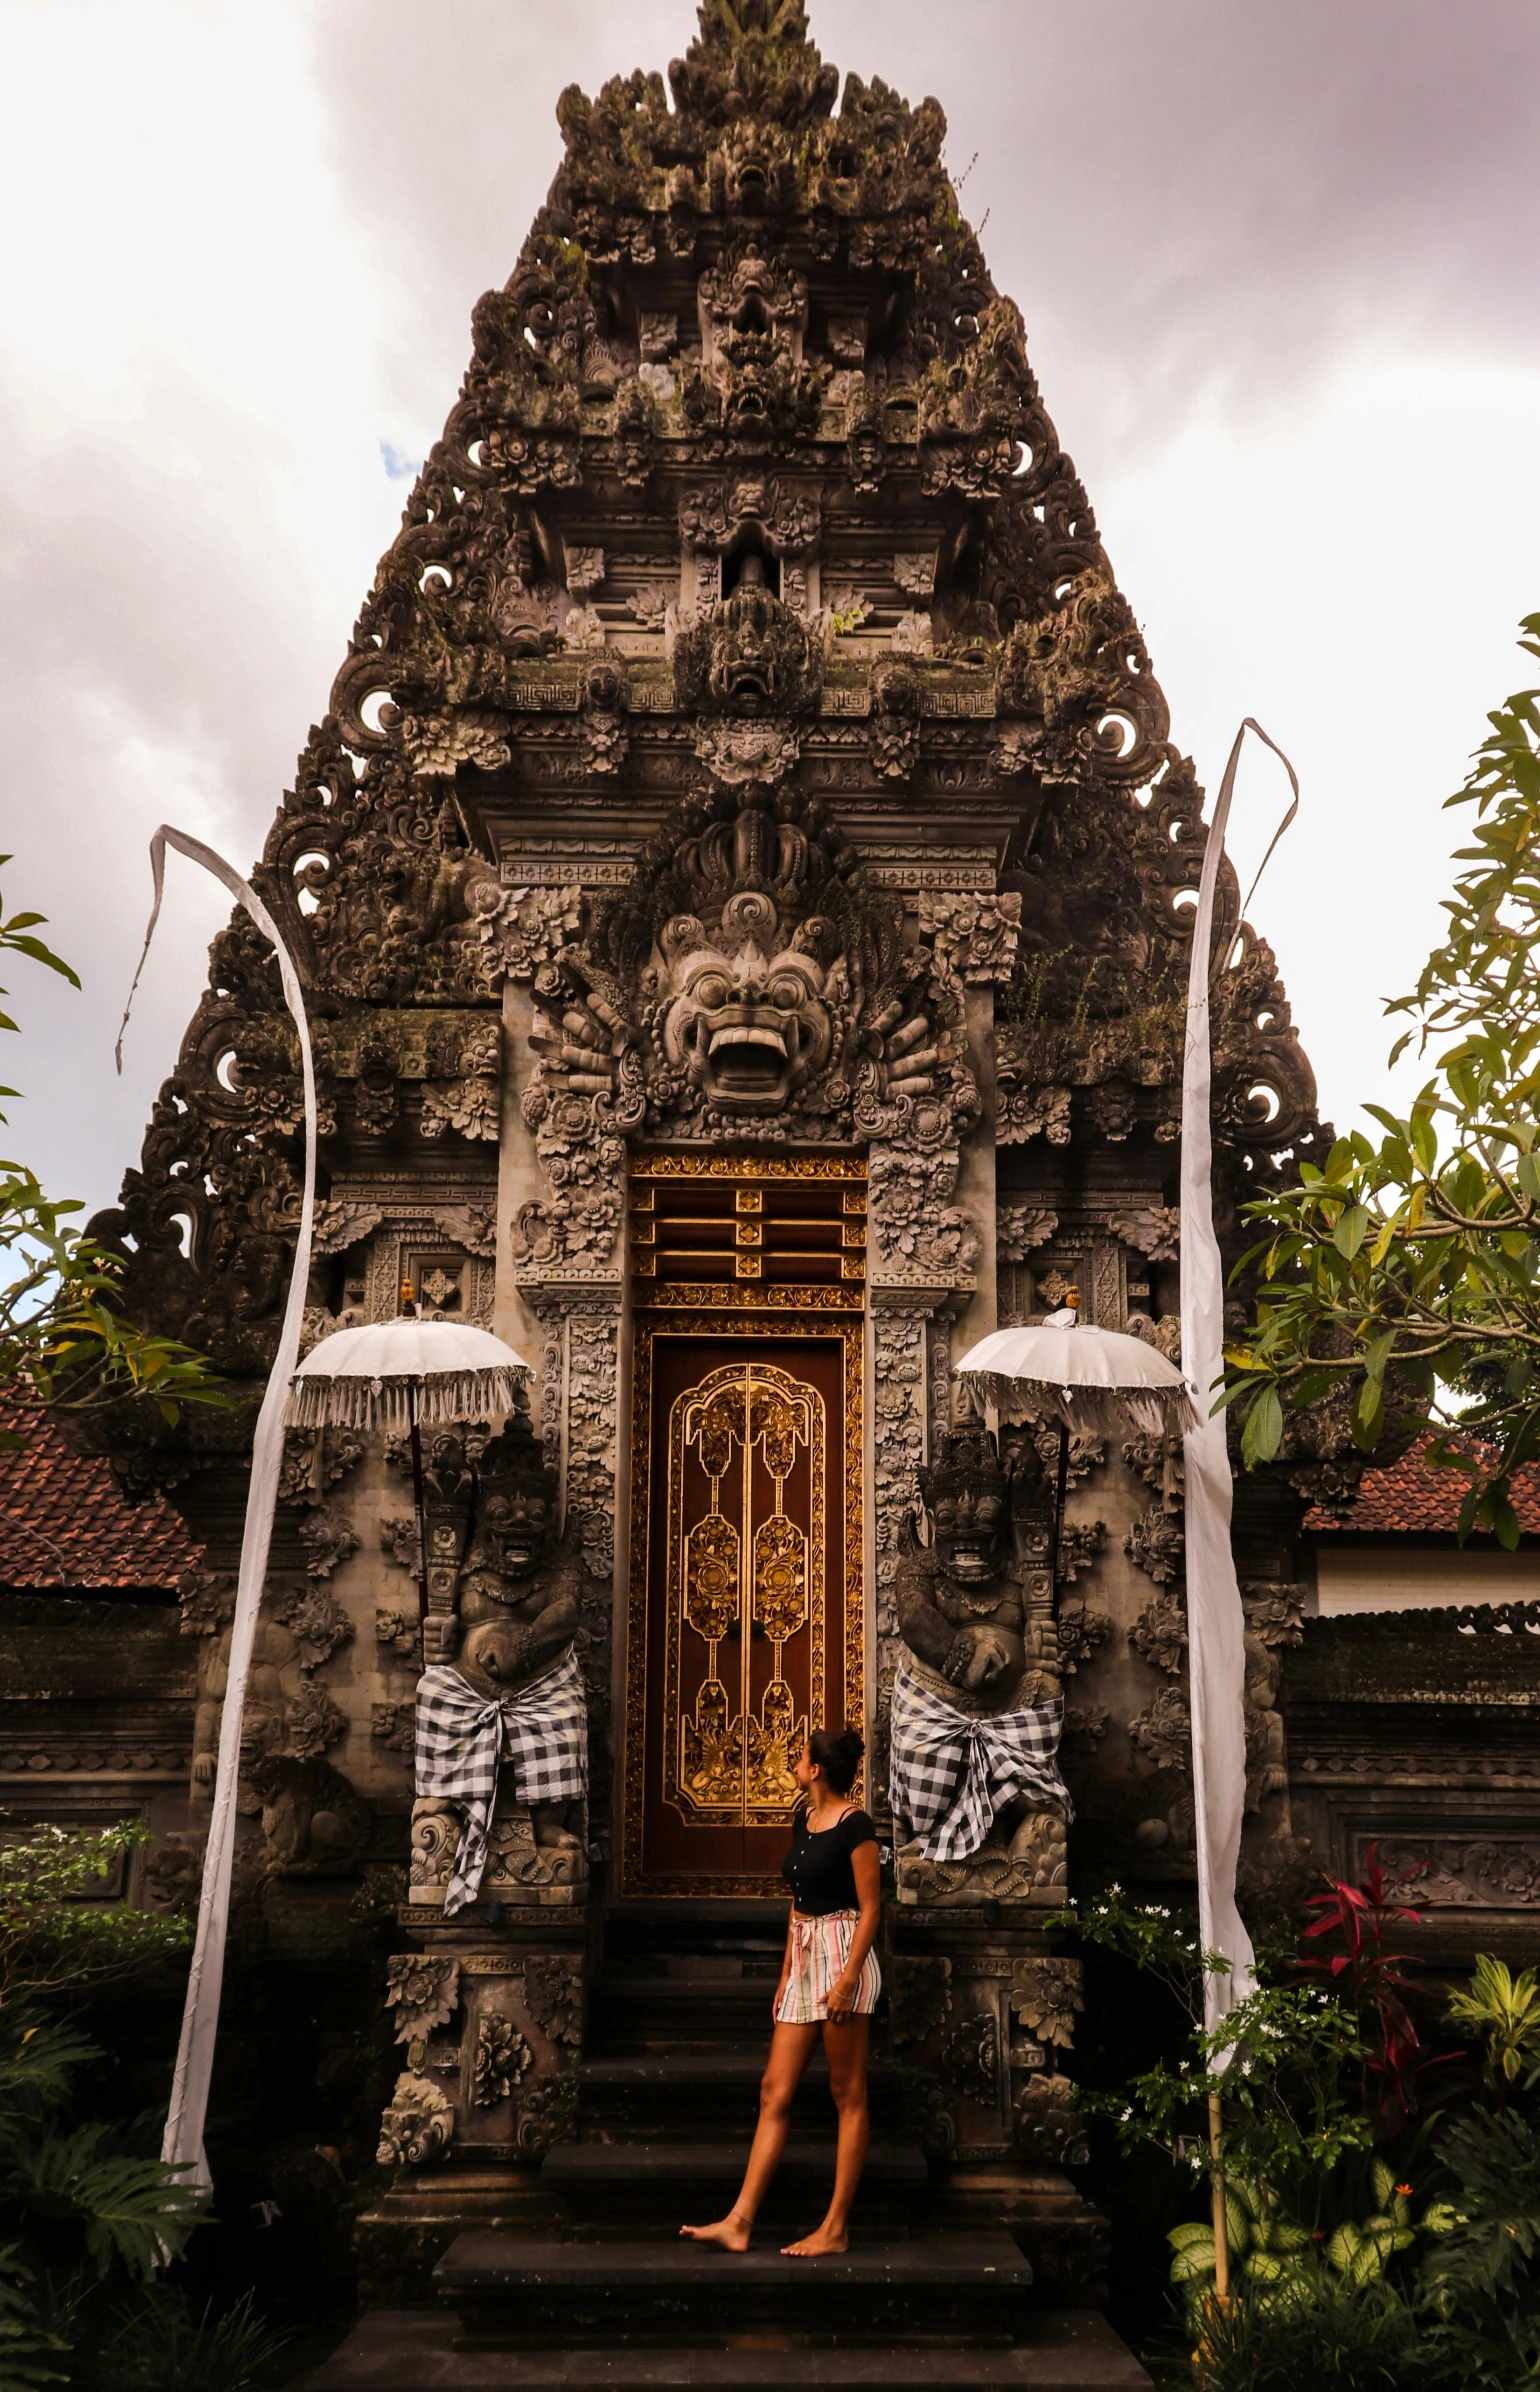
(740, 883)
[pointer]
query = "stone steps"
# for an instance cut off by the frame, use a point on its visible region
(646, 2189)
(512, 2292)
(413, 2350)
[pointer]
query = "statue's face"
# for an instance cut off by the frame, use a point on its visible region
(515, 1523)
(970, 1534)
(748, 1029)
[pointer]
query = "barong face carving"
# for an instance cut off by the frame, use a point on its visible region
(749, 980)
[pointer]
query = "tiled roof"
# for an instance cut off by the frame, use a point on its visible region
(64, 1521)
(1415, 1497)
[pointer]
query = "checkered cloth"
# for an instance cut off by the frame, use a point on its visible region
(949, 1773)
(541, 1731)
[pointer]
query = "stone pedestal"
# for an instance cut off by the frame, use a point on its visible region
(983, 2010)
(489, 2011)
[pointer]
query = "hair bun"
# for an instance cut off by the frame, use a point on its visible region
(838, 1753)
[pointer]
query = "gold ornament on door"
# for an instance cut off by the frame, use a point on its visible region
(743, 1568)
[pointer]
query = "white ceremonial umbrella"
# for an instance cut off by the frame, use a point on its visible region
(397, 1374)
(1092, 1381)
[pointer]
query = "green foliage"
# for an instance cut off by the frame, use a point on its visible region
(76, 2196)
(17, 938)
(64, 1344)
(1414, 1264)
(164, 2344)
(1275, 2260)
(57, 1935)
(1502, 2013)
(1481, 2281)
(26, 2343)
(1327, 2338)
(79, 2186)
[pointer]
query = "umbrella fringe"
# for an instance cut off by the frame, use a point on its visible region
(1094, 1411)
(351, 1401)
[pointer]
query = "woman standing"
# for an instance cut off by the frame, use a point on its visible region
(829, 1985)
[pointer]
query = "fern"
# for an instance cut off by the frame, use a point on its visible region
(25, 2342)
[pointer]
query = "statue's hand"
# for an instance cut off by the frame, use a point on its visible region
(499, 1648)
(203, 1769)
(980, 1654)
(439, 1638)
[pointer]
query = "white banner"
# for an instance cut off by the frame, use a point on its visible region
(183, 2142)
(1215, 1621)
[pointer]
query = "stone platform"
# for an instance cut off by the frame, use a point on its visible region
(412, 2350)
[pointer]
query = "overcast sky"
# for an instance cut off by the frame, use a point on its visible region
(1278, 264)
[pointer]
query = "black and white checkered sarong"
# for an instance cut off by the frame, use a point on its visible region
(949, 1772)
(541, 1730)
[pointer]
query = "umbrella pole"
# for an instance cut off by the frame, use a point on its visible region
(1061, 1485)
(417, 1497)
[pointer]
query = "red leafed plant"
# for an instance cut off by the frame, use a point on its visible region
(1396, 2060)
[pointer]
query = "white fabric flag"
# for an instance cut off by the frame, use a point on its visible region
(1215, 1620)
(182, 2145)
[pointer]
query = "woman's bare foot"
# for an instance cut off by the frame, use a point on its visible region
(732, 2232)
(820, 2244)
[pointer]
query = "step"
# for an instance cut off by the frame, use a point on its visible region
(635, 2007)
(646, 2189)
(415, 2350)
(509, 2289)
(696, 2095)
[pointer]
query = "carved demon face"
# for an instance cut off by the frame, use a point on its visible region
(968, 1497)
(514, 1522)
(745, 1018)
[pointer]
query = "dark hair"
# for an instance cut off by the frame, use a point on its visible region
(837, 1752)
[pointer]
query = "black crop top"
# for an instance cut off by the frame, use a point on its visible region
(817, 1868)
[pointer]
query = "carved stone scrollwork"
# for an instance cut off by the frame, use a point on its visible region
(418, 2127)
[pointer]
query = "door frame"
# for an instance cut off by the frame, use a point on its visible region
(740, 1325)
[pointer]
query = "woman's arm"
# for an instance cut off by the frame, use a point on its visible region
(785, 1962)
(867, 1871)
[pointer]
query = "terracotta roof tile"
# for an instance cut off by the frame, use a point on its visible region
(1414, 1497)
(65, 1522)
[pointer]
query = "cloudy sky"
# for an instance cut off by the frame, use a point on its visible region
(1278, 269)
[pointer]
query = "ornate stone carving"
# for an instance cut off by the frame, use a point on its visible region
(970, 2058)
(423, 1989)
(1045, 1996)
(418, 2127)
(1487, 1873)
(553, 1996)
(501, 2057)
(1155, 1543)
(919, 1998)
(1050, 2133)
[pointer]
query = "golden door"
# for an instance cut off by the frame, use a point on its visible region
(745, 1597)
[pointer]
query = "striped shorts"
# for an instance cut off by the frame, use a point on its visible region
(819, 1951)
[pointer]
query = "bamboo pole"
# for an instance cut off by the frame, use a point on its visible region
(1221, 2222)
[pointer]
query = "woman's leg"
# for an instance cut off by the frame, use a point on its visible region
(791, 2048)
(846, 2047)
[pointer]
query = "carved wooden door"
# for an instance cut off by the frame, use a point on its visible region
(744, 1615)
